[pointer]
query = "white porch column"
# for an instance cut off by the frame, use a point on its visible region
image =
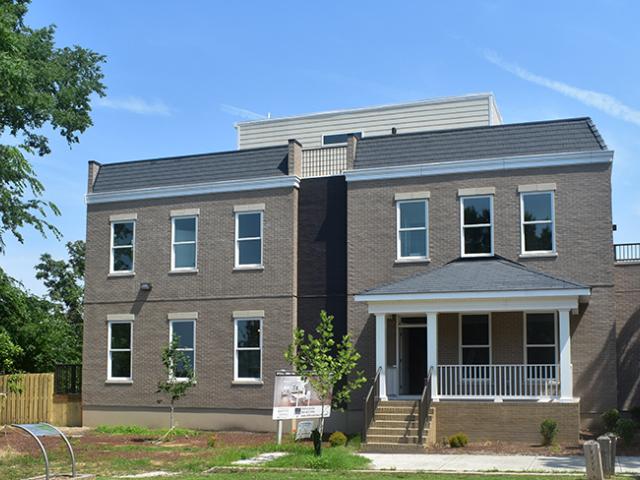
(432, 351)
(566, 368)
(381, 353)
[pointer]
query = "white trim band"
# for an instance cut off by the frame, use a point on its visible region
(123, 217)
(469, 192)
(537, 187)
(411, 196)
(248, 314)
(573, 292)
(256, 207)
(120, 317)
(182, 316)
(185, 212)
(288, 181)
(480, 165)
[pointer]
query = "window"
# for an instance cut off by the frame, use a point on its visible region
(119, 360)
(477, 225)
(540, 331)
(248, 349)
(412, 229)
(122, 246)
(185, 332)
(475, 339)
(249, 239)
(538, 222)
(339, 138)
(184, 242)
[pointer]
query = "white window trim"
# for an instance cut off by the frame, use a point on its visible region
(174, 243)
(525, 343)
(110, 351)
(238, 240)
(462, 226)
(523, 250)
(193, 321)
(407, 229)
(461, 346)
(112, 247)
(236, 349)
(340, 144)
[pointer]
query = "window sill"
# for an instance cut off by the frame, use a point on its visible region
(248, 268)
(118, 382)
(401, 261)
(247, 382)
(185, 271)
(121, 274)
(538, 255)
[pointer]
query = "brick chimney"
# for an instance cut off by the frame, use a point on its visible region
(295, 158)
(352, 145)
(94, 168)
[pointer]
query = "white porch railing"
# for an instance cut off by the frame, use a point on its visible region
(498, 381)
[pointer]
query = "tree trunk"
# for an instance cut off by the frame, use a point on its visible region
(171, 416)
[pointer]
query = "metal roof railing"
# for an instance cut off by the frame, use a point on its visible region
(626, 252)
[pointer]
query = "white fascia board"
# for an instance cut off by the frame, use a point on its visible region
(481, 165)
(196, 189)
(409, 297)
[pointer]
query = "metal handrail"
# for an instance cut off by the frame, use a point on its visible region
(371, 403)
(424, 407)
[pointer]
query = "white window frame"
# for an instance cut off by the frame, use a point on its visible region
(525, 340)
(112, 247)
(461, 346)
(462, 226)
(400, 229)
(238, 265)
(184, 349)
(110, 350)
(340, 144)
(174, 243)
(236, 349)
(523, 249)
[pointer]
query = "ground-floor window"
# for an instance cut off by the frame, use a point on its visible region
(248, 349)
(540, 333)
(185, 332)
(119, 359)
(475, 339)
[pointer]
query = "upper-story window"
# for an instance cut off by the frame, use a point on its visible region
(477, 225)
(538, 229)
(248, 239)
(339, 138)
(184, 331)
(412, 221)
(122, 246)
(184, 235)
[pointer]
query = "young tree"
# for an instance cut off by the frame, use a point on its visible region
(9, 354)
(41, 86)
(328, 365)
(178, 376)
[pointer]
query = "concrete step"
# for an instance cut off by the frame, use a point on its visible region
(374, 447)
(400, 431)
(393, 439)
(394, 424)
(398, 417)
(406, 410)
(398, 403)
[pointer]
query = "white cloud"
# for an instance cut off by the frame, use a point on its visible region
(602, 101)
(135, 105)
(241, 112)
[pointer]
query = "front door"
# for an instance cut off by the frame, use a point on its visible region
(412, 354)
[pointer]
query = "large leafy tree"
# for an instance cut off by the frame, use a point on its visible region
(41, 85)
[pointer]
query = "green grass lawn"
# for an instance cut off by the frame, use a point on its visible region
(356, 476)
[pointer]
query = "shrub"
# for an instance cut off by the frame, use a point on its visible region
(338, 439)
(635, 414)
(354, 440)
(212, 440)
(610, 419)
(625, 429)
(549, 431)
(458, 440)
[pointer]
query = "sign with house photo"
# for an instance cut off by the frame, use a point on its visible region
(295, 398)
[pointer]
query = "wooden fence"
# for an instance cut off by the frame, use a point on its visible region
(38, 403)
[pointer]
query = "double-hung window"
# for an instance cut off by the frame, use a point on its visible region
(413, 235)
(248, 349)
(184, 238)
(122, 246)
(537, 210)
(184, 332)
(475, 339)
(541, 339)
(248, 239)
(119, 346)
(477, 225)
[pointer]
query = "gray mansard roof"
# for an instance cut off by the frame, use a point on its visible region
(494, 274)
(193, 169)
(516, 139)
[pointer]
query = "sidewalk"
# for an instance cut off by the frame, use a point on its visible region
(486, 463)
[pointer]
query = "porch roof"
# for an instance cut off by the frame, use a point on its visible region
(491, 275)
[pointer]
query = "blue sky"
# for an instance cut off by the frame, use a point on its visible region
(180, 74)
